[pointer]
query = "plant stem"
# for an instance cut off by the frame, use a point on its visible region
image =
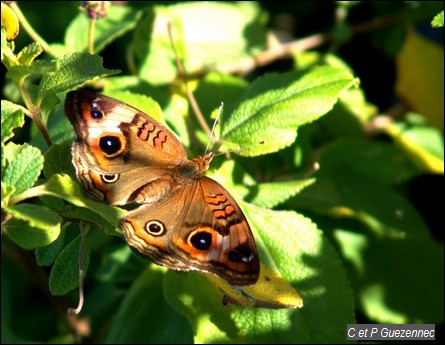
(246, 65)
(91, 36)
(34, 111)
(38, 121)
(28, 28)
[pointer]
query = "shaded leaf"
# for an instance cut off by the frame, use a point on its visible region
(143, 298)
(46, 256)
(377, 273)
(64, 275)
(356, 196)
(379, 161)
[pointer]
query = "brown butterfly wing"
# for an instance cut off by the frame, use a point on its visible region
(148, 229)
(119, 151)
(201, 226)
(187, 221)
(221, 241)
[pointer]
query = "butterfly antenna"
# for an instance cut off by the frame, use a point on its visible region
(213, 127)
(239, 149)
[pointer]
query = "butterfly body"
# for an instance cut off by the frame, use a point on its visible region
(184, 220)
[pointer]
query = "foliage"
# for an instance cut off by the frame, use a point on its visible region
(323, 173)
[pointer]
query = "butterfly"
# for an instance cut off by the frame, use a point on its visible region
(183, 219)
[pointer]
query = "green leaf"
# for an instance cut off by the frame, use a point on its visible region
(119, 265)
(8, 57)
(37, 216)
(46, 256)
(271, 194)
(29, 53)
(233, 31)
(349, 189)
(379, 161)
(33, 226)
(144, 297)
(437, 21)
(64, 275)
(24, 165)
(150, 46)
(308, 261)
(141, 102)
(75, 69)
(90, 216)
(58, 160)
(59, 127)
(7, 193)
(9, 337)
(58, 49)
(12, 117)
(47, 106)
(226, 23)
(348, 118)
(266, 194)
(215, 88)
(277, 104)
(39, 67)
(119, 20)
(66, 188)
(3, 160)
(69, 190)
(53, 202)
(388, 273)
(211, 321)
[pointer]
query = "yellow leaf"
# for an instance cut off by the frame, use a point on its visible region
(424, 160)
(271, 291)
(10, 22)
(420, 77)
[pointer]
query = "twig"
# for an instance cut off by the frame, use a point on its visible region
(83, 235)
(28, 28)
(246, 65)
